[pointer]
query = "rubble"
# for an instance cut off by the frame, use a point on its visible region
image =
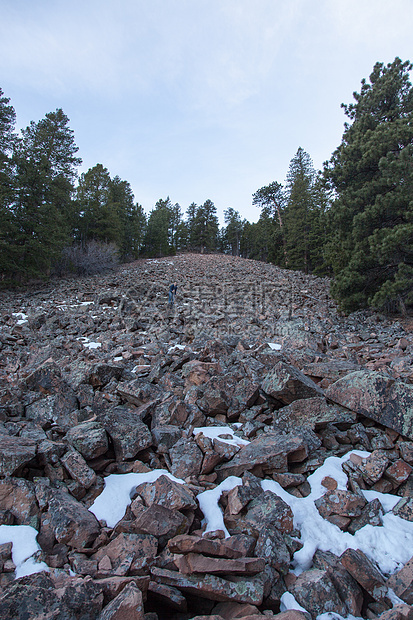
(104, 379)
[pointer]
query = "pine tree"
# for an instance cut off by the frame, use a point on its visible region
(8, 224)
(206, 227)
(160, 231)
(46, 164)
(300, 212)
(132, 218)
(271, 200)
(371, 173)
(233, 230)
(97, 217)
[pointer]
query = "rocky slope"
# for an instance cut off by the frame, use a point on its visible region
(100, 377)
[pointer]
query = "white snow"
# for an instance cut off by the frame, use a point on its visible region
(24, 547)
(175, 347)
(216, 432)
(274, 346)
(88, 344)
(111, 504)
(389, 545)
(208, 503)
(21, 316)
(287, 601)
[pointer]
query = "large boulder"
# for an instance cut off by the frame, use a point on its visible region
(267, 453)
(89, 438)
(127, 431)
(376, 396)
(14, 453)
(72, 523)
(285, 383)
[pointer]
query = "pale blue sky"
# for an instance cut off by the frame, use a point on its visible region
(197, 99)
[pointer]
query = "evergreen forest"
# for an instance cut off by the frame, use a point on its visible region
(351, 221)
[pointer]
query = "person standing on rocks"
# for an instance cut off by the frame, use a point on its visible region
(172, 292)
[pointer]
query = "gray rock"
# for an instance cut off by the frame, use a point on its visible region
(378, 397)
(15, 452)
(127, 431)
(315, 591)
(89, 438)
(285, 384)
(186, 458)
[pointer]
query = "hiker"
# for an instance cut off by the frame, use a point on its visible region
(172, 292)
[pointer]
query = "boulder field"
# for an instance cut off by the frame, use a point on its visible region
(161, 458)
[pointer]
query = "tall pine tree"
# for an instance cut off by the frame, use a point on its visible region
(300, 213)
(371, 173)
(46, 164)
(8, 225)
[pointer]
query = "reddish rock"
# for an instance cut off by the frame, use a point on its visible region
(123, 550)
(289, 479)
(197, 563)
(364, 572)
(128, 605)
(340, 502)
(398, 471)
(76, 466)
(70, 520)
(112, 586)
(347, 587)
(231, 611)
(231, 548)
(401, 582)
(240, 495)
(398, 612)
(158, 521)
(166, 492)
(212, 587)
(329, 483)
(291, 614)
(18, 496)
(198, 373)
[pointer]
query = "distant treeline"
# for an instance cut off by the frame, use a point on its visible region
(352, 221)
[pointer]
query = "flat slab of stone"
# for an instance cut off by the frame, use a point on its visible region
(213, 587)
(233, 547)
(271, 451)
(197, 563)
